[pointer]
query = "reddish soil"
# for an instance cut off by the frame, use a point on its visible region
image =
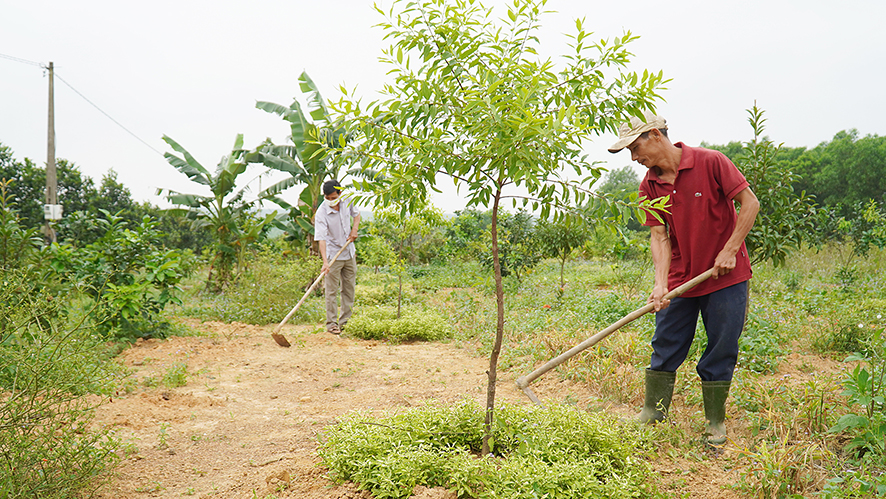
(246, 423)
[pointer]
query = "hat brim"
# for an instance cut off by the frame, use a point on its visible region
(623, 142)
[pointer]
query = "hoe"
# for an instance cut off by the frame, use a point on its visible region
(279, 338)
(523, 381)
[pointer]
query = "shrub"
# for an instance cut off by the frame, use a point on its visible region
(560, 452)
(48, 446)
(266, 292)
(381, 323)
(129, 279)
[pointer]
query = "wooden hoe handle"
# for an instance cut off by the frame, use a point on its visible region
(523, 382)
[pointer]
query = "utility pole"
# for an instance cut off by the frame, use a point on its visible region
(50, 212)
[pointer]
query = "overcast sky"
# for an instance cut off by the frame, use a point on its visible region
(194, 69)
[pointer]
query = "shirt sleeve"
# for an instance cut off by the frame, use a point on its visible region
(731, 180)
(321, 226)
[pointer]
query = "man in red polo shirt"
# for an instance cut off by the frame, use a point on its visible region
(701, 231)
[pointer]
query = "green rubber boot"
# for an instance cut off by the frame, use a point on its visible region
(714, 394)
(659, 391)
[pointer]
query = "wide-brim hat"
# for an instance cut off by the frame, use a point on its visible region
(628, 132)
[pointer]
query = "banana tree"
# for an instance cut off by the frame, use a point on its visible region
(306, 161)
(225, 212)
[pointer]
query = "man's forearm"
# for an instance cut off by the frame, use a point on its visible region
(322, 244)
(750, 206)
(660, 247)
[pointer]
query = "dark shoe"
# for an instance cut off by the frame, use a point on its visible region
(659, 391)
(714, 394)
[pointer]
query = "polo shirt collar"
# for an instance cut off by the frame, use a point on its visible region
(687, 161)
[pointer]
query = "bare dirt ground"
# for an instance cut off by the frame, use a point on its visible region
(247, 422)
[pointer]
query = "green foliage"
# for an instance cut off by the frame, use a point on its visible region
(375, 252)
(860, 228)
(48, 445)
(414, 237)
(18, 246)
(519, 248)
(464, 232)
(226, 214)
(129, 280)
(865, 389)
(302, 160)
(785, 219)
(382, 323)
(759, 345)
(559, 238)
(846, 170)
(176, 375)
(266, 292)
(560, 452)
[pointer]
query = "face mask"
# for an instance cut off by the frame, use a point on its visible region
(332, 203)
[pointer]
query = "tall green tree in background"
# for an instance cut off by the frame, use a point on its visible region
(786, 217)
(225, 212)
(850, 169)
(471, 101)
(303, 160)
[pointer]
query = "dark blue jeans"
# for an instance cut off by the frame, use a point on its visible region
(723, 313)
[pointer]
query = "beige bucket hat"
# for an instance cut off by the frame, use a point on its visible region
(628, 132)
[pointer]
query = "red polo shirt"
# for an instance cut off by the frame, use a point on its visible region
(702, 217)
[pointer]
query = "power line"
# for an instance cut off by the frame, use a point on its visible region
(39, 65)
(106, 114)
(23, 61)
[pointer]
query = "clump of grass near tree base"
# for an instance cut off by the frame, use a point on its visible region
(381, 323)
(559, 452)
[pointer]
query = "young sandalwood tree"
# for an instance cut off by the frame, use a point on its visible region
(471, 101)
(560, 238)
(786, 218)
(404, 234)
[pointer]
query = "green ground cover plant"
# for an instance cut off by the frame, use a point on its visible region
(559, 452)
(382, 323)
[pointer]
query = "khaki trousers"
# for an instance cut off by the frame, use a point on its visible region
(342, 275)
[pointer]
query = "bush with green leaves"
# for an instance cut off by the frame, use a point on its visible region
(128, 278)
(381, 323)
(556, 452)
(274, 282)
(48, 368)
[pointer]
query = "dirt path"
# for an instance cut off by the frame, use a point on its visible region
(246, 423)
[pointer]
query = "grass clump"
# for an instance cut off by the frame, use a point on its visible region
(381, 323)
(265, 293)
(560, 452)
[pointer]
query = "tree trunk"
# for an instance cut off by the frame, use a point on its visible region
(562, 265)
(499, 327)
(399, 294)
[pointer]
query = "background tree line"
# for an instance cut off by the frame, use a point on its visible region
(83, 200)
(844, 171)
